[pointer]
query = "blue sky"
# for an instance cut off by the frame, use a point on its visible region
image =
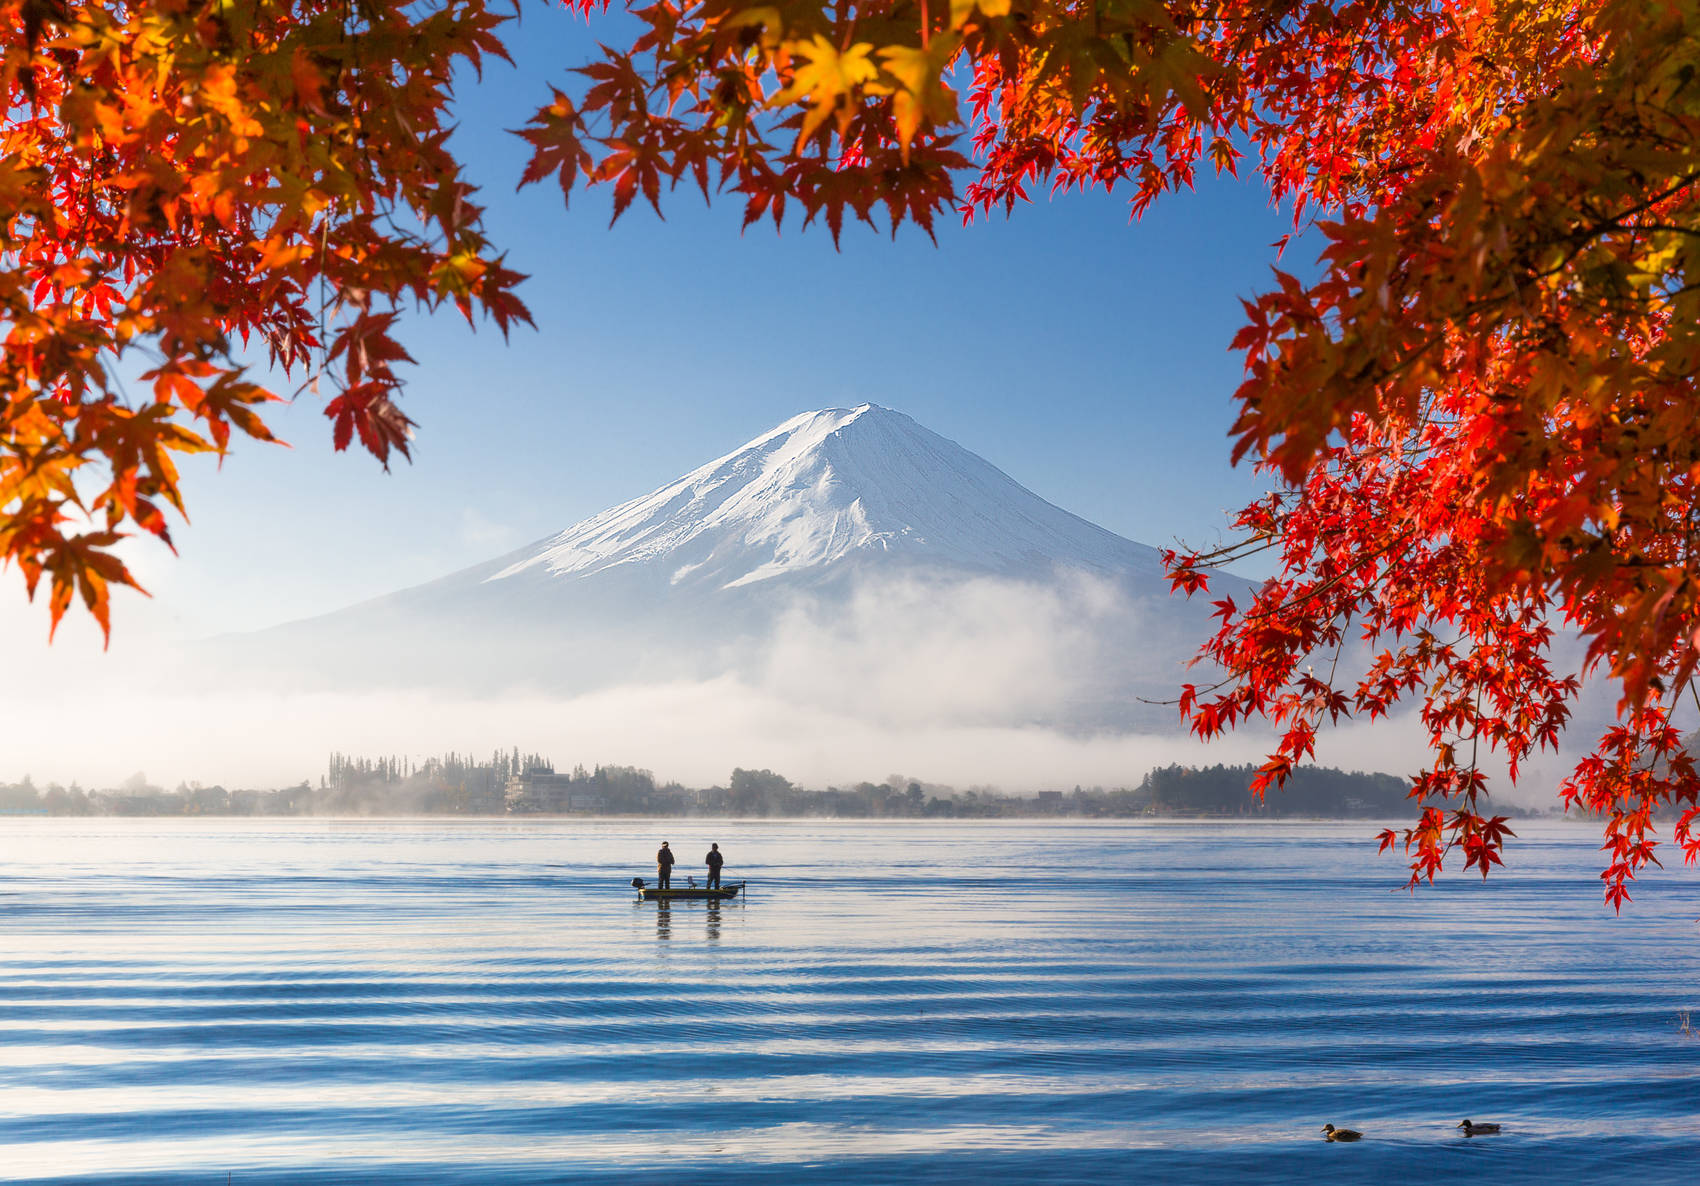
(1083, 354)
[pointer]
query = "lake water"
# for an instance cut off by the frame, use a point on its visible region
(352, 1002)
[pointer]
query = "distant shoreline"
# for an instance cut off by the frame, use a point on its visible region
(1260, 820)
(515, 786)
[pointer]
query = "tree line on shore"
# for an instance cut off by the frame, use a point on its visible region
(509, 782)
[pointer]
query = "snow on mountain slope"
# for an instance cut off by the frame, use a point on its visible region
(825, 486)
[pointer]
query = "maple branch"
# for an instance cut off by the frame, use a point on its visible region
(1330, 583)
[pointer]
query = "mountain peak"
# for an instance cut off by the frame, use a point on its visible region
(806, 432)
(823, 487)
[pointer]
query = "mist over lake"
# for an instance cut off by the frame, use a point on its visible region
(459, 1002)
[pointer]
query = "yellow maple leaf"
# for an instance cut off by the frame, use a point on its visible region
(961, 10)
(828, 82)
(921, 93)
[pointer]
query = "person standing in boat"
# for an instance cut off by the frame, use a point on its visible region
(715, 860)
(664, 867)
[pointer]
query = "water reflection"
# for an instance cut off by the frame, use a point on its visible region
(664, 919)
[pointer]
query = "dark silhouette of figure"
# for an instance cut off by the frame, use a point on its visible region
(715, 860)
(664, 867)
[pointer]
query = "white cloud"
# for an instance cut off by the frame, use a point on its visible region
(694, 732)
(973, 682)
(914, 651)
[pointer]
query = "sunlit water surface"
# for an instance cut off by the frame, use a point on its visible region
(329, 1001)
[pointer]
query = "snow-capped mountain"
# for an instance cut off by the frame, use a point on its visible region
(844, 528)
(823, 488)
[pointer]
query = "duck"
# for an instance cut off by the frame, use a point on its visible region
(1472, 1129)
(1330, 1133)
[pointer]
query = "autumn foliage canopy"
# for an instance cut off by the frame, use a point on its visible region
(1478, 409)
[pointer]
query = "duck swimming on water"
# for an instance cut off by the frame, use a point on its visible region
(1472, 1129)
(1330, 1133)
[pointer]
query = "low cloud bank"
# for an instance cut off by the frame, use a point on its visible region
(973, 682)
(1077, 654)
(693, 732)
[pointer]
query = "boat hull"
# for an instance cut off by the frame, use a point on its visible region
(724, 893)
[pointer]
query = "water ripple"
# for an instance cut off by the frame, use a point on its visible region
(310, 1002)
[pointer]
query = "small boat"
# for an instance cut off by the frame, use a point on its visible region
(691, 893)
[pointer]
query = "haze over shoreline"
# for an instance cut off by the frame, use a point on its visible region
(517, 786)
